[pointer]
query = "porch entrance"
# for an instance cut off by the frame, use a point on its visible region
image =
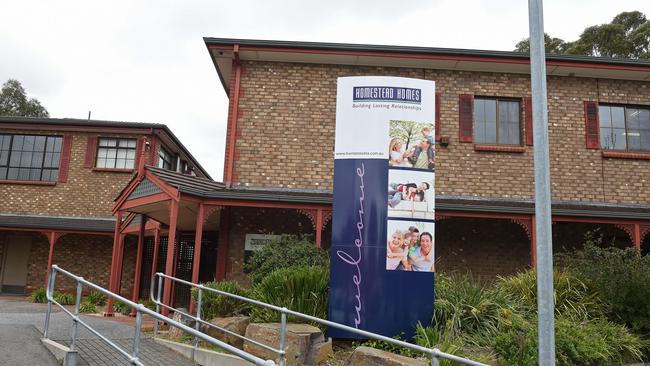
(13, 278)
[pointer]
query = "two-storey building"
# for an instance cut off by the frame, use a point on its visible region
(278, 171)
(58, 181)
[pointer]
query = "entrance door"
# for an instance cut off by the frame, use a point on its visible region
(14, 268)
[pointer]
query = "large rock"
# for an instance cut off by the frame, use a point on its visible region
(367, 356)
(305, 344)
(235, 324)
(176, 332)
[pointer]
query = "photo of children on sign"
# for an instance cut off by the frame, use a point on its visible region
(411, 194)
(410, 246)
(411, 145)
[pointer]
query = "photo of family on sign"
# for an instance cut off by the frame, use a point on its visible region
(411, 194)
(411, 145)
(410, 246)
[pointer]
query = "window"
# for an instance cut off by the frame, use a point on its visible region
(115, 153)
(496, 121)
(624, 128)
(30, 158)
(166, 160)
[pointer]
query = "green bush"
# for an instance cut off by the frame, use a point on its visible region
(121, 307)
(572, 297)
(96, 298)
(87, 307)
(38, 296)
(586, 342)
(302, 289)
(465, 305)
(214, 305)
(64, 298)
(620, 277)
(286, 251)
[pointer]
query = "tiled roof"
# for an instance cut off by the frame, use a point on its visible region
(103, 224)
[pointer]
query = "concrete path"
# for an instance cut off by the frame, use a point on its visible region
(26, 321)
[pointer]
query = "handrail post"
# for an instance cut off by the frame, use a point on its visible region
(283, 336)
(198, 316)
(155, 321)
(434, 360)
(48, 294)
(75, 319)
(136, 336)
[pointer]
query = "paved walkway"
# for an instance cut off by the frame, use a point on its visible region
(21, 327)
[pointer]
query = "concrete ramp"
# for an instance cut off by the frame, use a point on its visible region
(21, 345)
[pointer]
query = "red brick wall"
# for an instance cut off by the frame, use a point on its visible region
(286, 128)
(88, 256)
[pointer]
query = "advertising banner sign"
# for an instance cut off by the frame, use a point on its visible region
(382, 266)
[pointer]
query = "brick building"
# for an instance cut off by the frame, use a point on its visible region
(58, 180)
(278, 172)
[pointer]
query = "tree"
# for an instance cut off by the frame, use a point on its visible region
(14, 102)
(627, 36)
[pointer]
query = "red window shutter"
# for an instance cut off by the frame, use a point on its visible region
(437, 116)
(592, 125)
(91, 150)
(528, 120)
(466, 118)
(66, 151)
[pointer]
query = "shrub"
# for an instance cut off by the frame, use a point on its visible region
(121, 307)
(96, 298)
(38, 296)
(572, 297)
(214, 305)
(586, 342)
(302, 289)
(464, 305)
(619, 276)
(286, 251)
(64, 298)
(148, 303)
(87, 307)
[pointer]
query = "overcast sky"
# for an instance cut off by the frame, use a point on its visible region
(145, 61)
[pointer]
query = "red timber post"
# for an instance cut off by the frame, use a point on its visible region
(111, 281)
(222, 251)
(138, 263)
(154, 260)
(52, 236)
(533, 242)
(636, 238)
(232, 120)
(319, 226)
(198, 236)
(171, 249)
(120, 265)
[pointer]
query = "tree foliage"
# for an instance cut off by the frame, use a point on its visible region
(14, 102)
(626, 36)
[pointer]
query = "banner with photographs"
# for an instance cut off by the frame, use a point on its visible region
(383, 238)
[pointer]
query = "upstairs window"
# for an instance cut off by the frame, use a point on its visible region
(624, 128)
(115, 153)
(29, 157)
(497, 121)
(166, 160)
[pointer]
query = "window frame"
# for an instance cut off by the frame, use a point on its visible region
(117, 147)
(172, 159)
(56, 170)
(520, 115)
(625, 107)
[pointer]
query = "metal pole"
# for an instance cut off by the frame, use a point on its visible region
(283, 337)
(545, 305)
(155, 321)
(198, 316)
(75, 319)
(48, 293)
(136, 336)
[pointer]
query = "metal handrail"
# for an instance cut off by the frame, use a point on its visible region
(435, 353)
(133, 357)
